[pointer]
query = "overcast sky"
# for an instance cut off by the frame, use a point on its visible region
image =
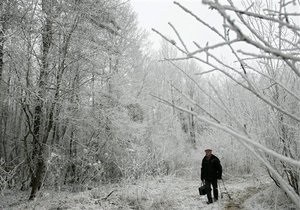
(157, 13)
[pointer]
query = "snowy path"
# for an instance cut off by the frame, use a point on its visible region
(241, 190)
(161, 193)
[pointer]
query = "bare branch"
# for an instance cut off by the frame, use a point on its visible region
(251, 14)
(259, 56)
(205, 72)
(186, 50)
(276, 52)
(198, 86)
(250, 86)
(196, 104)
(234, 133)
(214, 30)
(168, 40)
(213, 47)
(275, 82)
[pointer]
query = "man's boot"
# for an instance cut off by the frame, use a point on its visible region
(209, 201)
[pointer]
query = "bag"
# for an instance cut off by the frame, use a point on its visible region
(202, 190)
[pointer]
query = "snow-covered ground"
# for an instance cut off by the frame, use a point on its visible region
(160, 193)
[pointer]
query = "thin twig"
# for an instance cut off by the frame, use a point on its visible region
(205, 72)
(213, 47)
(196, 104)
(168, 40)
(106, 197)
(179, 37)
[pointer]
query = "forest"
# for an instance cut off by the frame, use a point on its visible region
(92, 118)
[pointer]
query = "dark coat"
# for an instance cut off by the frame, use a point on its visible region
(211, 168)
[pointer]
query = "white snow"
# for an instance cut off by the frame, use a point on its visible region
(160, 193)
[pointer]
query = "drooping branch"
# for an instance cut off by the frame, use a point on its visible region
(250, 86)
(268, 51)
(236, 134)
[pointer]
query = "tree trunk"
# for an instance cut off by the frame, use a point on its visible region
(192, 129)
(2, 133)
(37, 177)
(38, 171)
(3, 20)
(70, 174)
(1, 54)
(3, 136)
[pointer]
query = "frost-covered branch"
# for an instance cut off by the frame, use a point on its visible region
(196, 104)
(242, 36)
(252, 14)
(179, 37)
(276, 82)
(236, 134)
(227, 42)
(169, 40)
(197, 85)
(250, 87)
(281, 76)
(204, 49)
(286, 188)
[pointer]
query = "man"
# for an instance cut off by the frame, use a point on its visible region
(211, 171)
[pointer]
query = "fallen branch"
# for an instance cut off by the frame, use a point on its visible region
(105, 198)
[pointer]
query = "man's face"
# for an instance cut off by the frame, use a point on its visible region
(208, 153)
